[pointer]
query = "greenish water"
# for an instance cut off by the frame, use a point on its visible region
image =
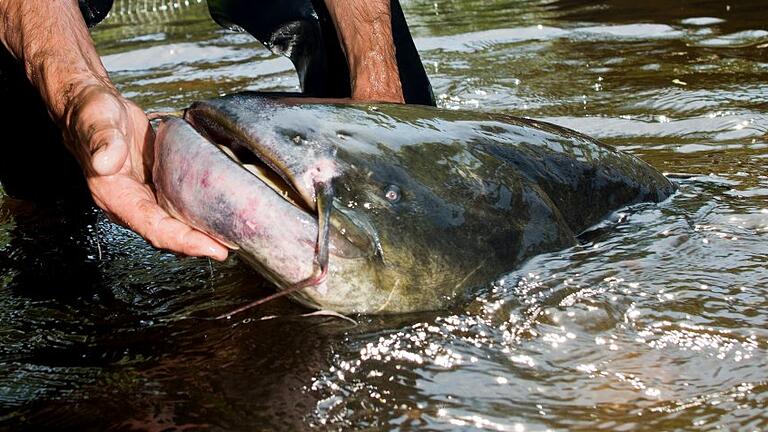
(660, 323)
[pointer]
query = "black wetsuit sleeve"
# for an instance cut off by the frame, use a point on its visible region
(94, 10)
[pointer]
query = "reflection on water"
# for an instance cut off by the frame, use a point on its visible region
(658, 323)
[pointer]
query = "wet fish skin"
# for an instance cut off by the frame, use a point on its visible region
(474, 194)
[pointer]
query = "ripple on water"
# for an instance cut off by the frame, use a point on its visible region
(741, 39)
(592, 333)
(701, 21)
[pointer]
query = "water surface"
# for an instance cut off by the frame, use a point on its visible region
(658, 323)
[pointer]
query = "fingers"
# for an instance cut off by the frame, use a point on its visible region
(170, 234)
(165, 232)
(112, 138)
(132, 204)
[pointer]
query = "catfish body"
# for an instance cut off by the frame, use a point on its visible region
(428, 204)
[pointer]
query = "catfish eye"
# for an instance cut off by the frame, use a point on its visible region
(392, 193)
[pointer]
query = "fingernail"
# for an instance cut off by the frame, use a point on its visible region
(217, 253)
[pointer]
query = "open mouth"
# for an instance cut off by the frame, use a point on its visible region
(341, 235)
(214, 130)
(244, 156)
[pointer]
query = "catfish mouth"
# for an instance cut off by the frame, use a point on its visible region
(246, 158)
(339, 235)
(342, 236)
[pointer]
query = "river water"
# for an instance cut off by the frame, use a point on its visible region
(658, 323)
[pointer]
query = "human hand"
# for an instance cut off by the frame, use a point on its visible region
(110, 136)
(112, 139)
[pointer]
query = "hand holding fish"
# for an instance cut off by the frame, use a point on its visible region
(112, 139)
(110, 136)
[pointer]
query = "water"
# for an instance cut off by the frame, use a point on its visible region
(659, 323)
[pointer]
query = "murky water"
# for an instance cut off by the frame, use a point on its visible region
(659, 323)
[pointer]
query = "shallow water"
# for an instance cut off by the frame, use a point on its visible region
(658, 323)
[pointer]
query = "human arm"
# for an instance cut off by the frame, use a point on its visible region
(110, 136)
(364, 28)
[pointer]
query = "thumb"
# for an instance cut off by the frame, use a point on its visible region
(98, 120)
(109, 150)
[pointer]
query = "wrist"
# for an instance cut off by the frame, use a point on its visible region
(376, 77)
(62, 86)
(51, 42)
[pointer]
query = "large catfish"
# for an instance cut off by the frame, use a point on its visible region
(384, 208)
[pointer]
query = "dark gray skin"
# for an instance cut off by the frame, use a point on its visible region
(429, 204)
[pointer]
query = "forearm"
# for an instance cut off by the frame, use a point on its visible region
(364, 28)
(51, 41)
